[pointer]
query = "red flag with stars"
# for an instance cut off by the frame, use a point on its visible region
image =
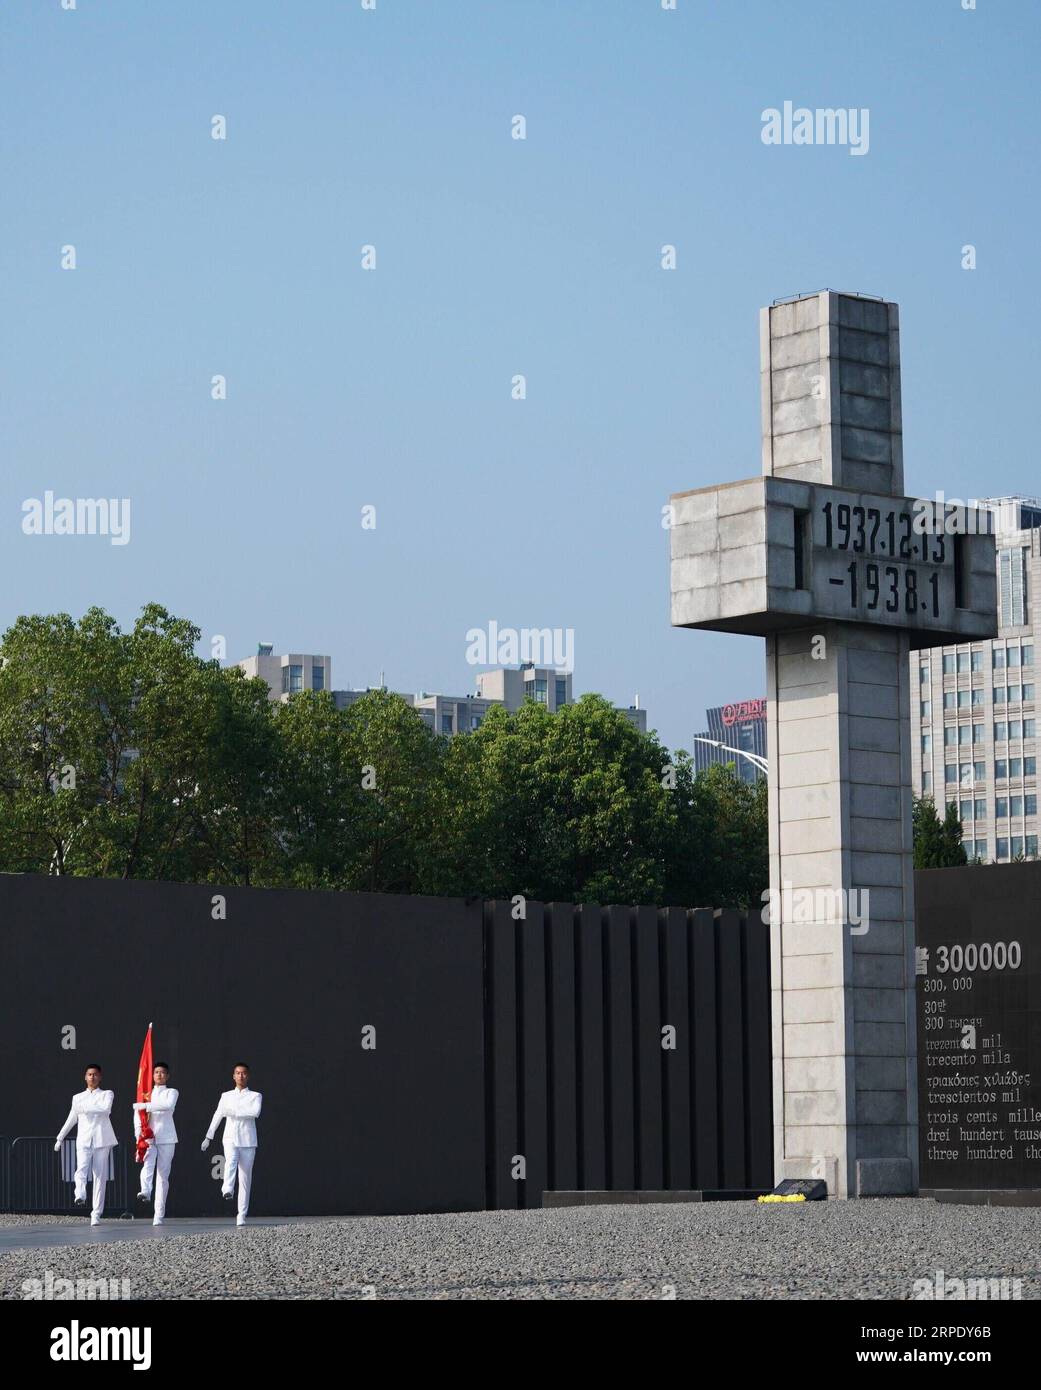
(144, 1092)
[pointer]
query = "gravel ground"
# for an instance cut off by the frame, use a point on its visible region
(834, 1250)
(22, 1219)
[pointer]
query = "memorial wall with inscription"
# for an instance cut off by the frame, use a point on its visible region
(978, 973)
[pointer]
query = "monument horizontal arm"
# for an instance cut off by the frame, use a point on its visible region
(768, 554)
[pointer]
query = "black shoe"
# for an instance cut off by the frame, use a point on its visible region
(143, 1197)
(228, 1196)
(81, 1201)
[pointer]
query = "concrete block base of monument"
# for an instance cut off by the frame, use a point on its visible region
(885, 1177)
(873, 1177)
(811, 1166)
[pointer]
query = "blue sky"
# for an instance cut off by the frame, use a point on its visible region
(495, 256)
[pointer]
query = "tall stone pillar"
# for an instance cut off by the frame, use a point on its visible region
(842, 909)
(845, 1105)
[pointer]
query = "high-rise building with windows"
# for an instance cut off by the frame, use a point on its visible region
(973, 707)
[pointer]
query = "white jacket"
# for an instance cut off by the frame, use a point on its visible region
(239, 1111)
(160, 1115)
(90, 1113)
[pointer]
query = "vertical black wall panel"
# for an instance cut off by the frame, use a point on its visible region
(620, 1089)
(757, 1051)
(678, 1014)
(650, 1112)
(563, 1072)
(731, 1049)
(534, 1144)
(593, 1168)
(705, 1105)
(504, 1141)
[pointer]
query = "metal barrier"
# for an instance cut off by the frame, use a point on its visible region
(40, 1180)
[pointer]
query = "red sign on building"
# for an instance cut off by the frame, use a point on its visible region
(743, 712)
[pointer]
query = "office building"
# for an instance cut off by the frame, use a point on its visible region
(741, 728)
(973, 708)
(445, 714)
(289, 673)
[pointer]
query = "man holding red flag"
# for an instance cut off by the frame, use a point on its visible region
(144, 1087)
(155, 1130)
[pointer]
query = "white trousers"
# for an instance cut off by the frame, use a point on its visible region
(92, 1162)
(156, 1169)
(238, 1161)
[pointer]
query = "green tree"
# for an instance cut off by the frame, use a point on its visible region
(392, 758)
(937, 844)
(123, 754)
(558, 807)
(56, 763)
(318, 798)
(233, 807)
(720, 855)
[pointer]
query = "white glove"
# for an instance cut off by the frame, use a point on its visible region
(57, 1146)
(205, 1145)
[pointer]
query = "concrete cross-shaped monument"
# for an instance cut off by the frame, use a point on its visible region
(843, 575)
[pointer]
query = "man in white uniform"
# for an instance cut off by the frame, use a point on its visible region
(239, 1110)
(95, 1140)
(158, 1108)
